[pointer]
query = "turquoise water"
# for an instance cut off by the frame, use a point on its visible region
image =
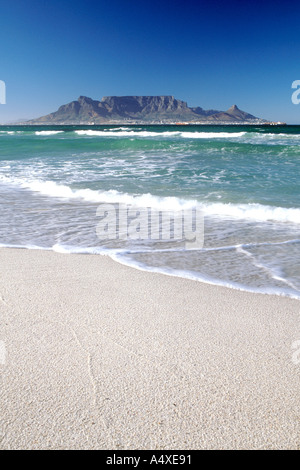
(245, 179)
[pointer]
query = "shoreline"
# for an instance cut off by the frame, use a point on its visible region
(162, 271)
(100, 355)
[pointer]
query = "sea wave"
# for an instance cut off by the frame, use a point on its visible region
(48, 132)
(52, 189)
(245, 136)
(189, 135)
(127, 132)
(252, 211)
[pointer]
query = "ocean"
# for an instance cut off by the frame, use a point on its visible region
(244, 179)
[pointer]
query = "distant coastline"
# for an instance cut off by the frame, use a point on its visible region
(143, 123)
(145, 110)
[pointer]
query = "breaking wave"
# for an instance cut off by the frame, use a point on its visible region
(258, 212)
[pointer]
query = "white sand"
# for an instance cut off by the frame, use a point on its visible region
(102, 356)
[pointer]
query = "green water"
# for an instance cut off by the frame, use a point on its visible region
(244, 178)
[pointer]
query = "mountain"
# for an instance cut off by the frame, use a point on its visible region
(137, 109)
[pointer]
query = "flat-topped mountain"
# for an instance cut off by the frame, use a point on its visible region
(146, 109)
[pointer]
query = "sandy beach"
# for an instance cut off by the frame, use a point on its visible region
(102, 356)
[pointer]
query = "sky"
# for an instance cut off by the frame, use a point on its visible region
(211, 54)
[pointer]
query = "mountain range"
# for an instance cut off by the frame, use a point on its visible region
(141, 109)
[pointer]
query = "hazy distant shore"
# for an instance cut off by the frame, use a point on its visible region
(142, 123)
(141, 109)
(100, 355)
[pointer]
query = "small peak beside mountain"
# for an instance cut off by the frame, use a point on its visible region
(234, 108)
(238, 114)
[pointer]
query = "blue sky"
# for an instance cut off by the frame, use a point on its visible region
(209, 53)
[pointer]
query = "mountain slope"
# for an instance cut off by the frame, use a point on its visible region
(130, 109)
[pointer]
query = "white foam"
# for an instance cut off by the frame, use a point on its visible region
(116, 129)
(189, 135)
(123, 133)
(269, 270)
(201, 278)
(254, 211)
(52, 189)
(48, 132)
(68, 249)
(212, 135)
